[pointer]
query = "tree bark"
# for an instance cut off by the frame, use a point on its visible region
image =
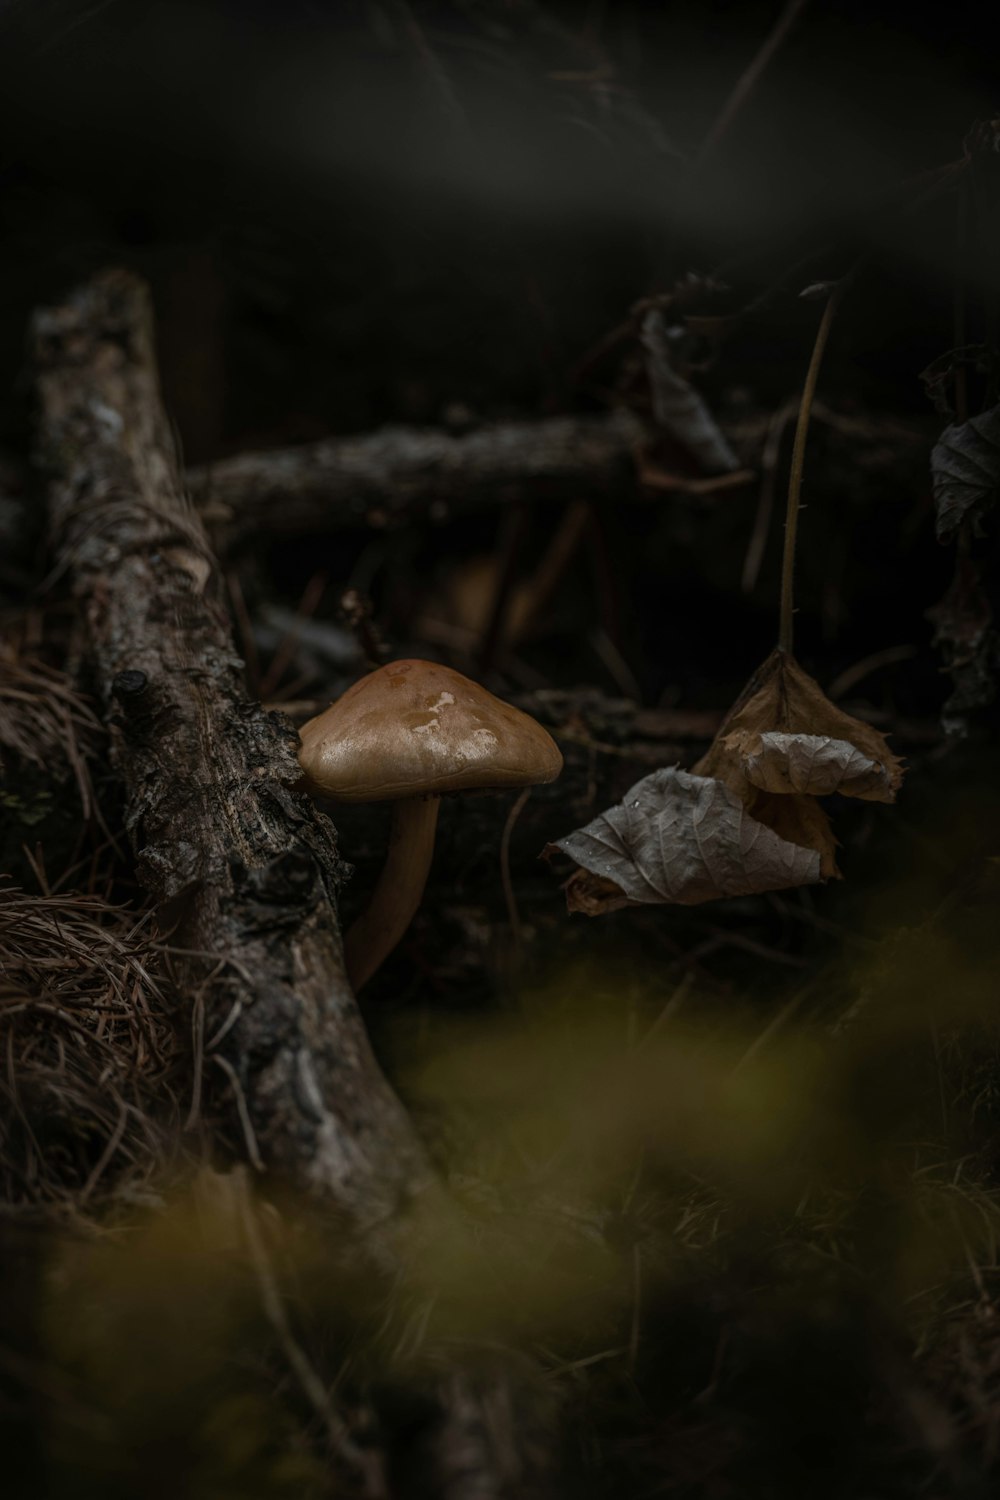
(243, 868)
(400, 473)
(246, 868)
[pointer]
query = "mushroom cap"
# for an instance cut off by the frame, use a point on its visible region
(414, 728)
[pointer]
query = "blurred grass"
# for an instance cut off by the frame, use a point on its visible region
(730, 1238)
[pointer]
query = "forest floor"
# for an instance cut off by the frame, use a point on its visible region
(711, 1180)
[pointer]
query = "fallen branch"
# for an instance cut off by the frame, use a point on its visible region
(242, 868)
(401, 473)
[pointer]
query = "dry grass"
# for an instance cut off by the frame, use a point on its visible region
(88, 1051)
(44, 720)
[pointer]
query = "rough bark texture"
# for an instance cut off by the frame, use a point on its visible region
(401, 473)
(245, 866)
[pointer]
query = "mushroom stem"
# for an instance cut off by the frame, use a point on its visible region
(400, 886)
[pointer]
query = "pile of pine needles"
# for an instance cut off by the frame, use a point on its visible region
(90, 1051)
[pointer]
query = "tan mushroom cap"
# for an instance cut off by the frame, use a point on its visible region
(414, 728)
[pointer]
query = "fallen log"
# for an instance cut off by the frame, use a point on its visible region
(242, 868)
(247, 870)
(401, 473)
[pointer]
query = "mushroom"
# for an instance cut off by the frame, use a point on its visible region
(408, 733)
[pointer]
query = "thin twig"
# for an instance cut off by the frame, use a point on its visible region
(636, 1324)
(508, 885)
(543, 583)
(671, 1008)
(198, 1059)
(860, 670)
(308, 605)
(961, 299)
(365, 1465)
(241, 614)
(765, 505)
(514, 530)
(249, 1134)
(114, 1141)
(439, 86)
(750, 77)
(786, 629)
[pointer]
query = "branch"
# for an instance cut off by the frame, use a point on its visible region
(402, 473)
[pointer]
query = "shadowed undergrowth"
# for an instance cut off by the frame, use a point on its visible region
(752, 1244)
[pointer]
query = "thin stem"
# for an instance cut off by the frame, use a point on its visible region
(399, 890)
(515, 531)
(751, 76)
(362, 1462)
(513, 916)
(785, 632)
(961, 302)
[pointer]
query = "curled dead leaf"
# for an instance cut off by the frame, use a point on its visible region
(801, 820)
(680, 838)
(746, 818)
(782, 699)
(593, 895)
(678, 407)
(813, 764)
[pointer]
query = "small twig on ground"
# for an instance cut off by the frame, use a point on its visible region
(240, 1100)
(308, 605)
(241, 614)
(851, 676)
(514, 535)
(546, 578)
(366, 1465)
(509, 896)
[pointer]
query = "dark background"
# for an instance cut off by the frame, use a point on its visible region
(335, 241)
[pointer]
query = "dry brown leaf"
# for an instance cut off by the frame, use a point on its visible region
(684, 839)
(800, 820)
(813, 764)
(782, 699)
(592, 894)
(746, 818)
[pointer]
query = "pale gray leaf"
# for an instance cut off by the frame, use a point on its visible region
(678, 407)
(814, 765)
(677, 837)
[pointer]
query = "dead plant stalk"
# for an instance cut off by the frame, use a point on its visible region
(786, 627)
